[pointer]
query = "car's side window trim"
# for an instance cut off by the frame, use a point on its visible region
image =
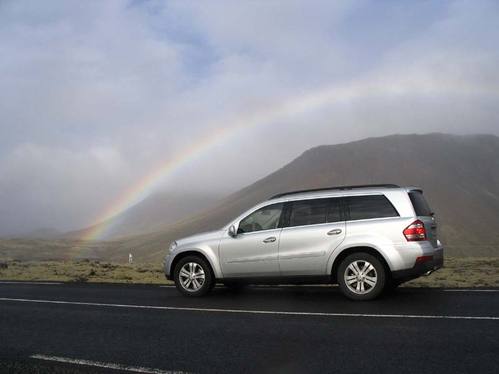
(341, 207)
(372, 219)
(285, 215)
(315, 225)
(258, 231)
(346, 208)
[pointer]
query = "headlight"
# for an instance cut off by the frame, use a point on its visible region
(173, 245)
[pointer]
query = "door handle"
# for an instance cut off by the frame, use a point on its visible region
(334, 232)
(270, 239)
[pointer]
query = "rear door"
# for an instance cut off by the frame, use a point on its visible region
(312, 230)
(425, 214)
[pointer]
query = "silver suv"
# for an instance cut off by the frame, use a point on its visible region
(365, 238)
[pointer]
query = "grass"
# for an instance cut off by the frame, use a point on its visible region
(458, 272)
(83, 271)
(462, 272)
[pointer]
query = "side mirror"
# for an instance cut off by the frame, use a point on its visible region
(232, 231)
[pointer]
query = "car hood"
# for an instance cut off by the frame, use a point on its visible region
(199, 237)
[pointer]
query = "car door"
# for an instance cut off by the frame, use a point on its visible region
(253, 252)
(312, 230)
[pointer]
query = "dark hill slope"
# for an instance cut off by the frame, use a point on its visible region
(150, 215)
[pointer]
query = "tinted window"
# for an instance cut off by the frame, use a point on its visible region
(366, 207)
(419, 203)
(334, 213)
(308, 212)
(313, 212)
(265, 218)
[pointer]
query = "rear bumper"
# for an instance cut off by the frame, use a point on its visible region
(419, 269)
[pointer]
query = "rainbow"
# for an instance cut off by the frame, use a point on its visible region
(271, 114)
(149, 182)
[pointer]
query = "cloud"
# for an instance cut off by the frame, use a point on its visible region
(45, 185)
(95, 93)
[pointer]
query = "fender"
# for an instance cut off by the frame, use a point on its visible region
(379, 243)
(206, 252)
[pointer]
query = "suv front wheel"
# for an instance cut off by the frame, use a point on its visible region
(361, 276)
(193, 276)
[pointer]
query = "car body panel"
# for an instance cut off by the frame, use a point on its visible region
(250, 254)
(304, 250)
(205, 244)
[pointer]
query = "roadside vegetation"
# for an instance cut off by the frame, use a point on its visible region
(82, 271)
(458, 272)
(462, 272)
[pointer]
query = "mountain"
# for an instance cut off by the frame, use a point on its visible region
(42, 233)
(459, 175)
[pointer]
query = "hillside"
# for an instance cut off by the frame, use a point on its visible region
(459, 174)
(150, 215)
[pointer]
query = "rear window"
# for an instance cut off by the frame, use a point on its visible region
(419, 203)
(367, 207)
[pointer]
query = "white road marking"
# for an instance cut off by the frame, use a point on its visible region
(106, 365)
(20, 282)
(249, 311)
(257, 286)
(469, 290)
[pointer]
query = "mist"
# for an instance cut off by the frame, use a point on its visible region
(95, 95)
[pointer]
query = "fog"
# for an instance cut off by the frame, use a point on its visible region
(95, 95)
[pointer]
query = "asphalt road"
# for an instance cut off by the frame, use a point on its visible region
(121, 328)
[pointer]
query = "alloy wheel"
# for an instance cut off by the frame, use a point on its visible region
(192, 276)
(360, 277)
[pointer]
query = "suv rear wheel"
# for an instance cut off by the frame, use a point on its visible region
(193, 276)
(361, 276)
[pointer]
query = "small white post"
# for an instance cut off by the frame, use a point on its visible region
(130, 258)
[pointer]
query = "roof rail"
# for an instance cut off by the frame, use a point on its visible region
(336, 188)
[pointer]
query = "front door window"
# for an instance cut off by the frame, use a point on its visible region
(266, 218)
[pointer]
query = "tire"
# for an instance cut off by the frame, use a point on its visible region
(193, 276)
(357, 285)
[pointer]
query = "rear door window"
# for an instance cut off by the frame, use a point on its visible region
(314, 212)
(308, 212)
(419, 203)
(370, 206)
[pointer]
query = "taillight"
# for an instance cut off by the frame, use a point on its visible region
(415, 232)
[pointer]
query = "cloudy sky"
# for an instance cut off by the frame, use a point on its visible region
(95, 94)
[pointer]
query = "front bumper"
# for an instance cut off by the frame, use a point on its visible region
(167, 266)
(419, 269)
